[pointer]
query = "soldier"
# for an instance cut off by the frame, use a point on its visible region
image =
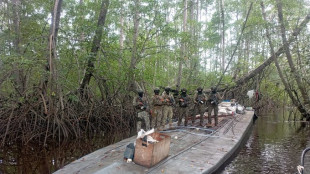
(157, 114)
(199, 100)
(167, 109)
(184, 101)
(141, 106)
(213, 101)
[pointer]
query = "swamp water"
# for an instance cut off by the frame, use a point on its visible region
(274, 146)
(34, 159)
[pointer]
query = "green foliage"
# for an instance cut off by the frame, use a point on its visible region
(159, 43)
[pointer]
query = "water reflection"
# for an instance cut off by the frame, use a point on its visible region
(37, 159)
(275, 146)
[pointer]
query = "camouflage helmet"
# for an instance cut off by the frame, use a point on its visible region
(199, 89)
(167, 88)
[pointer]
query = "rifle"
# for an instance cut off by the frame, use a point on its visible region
(183, 102)
(199, 99)
(144, 106)
(172, 101)
(175, 94)
(214, 99)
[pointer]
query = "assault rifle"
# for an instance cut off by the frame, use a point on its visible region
(200, 100)
(183, 102)
(172, 101)
(214, 100)
(144, 106)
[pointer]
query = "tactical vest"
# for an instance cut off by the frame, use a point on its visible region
(213, 99)
(200, 98)
(139, 107)
(183, 103)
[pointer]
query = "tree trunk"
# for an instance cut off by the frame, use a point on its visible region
(95, 47)
(183, 49)
(18, 75)
(121, 40)
(223, 35)
(121, 35)
(134, 59)
(238, 42)
(286, 85)
(260, 68)
(300, 85)
(16, 21)
(49, 85)
(192, 45)
(53, 39)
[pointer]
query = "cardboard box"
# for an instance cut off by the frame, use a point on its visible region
(149, 154)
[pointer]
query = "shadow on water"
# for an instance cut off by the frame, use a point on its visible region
(34, 159)
(275, 146)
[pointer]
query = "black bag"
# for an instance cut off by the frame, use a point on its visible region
(129, 152)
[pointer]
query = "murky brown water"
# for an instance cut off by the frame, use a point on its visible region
(34, 159)
(275, 146)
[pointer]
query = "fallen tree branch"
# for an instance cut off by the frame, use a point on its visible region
(281, 50)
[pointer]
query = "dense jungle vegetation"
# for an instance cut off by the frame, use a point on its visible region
(69, 69)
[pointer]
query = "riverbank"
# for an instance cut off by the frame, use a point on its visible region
(191, 151)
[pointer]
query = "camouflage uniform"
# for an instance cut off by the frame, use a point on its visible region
(167, 109)
(199, 108)
(141, 106)
(184, 101)
(157, 114)
(213, 101)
